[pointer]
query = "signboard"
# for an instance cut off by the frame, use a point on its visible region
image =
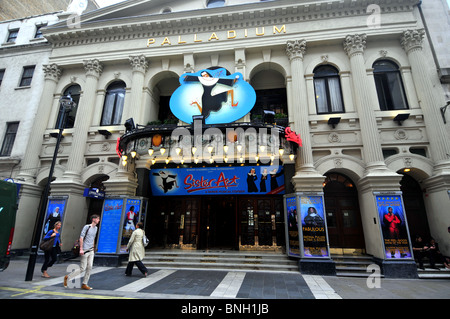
(216, 94)
(94, 193)
(314, 229)
(56, 207)
(394, 227)
(118, 221)
(110, 226)
(217, 180)
(291, 222)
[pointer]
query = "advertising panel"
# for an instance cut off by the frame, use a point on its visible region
(291, 222)
(131, 218)
(314, 229)
(394, 227)
(110, 226)
(217, 180)
(55, 212)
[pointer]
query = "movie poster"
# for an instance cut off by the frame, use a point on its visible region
(131, 218)
(111, 222)
(315, 243)
(55, 212)
(393, 226)
(292, 239)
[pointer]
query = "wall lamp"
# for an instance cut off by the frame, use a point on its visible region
(399, 118)
(105, 133)
(129, 125)
(333, 121)
(443, 109)
(55, 135)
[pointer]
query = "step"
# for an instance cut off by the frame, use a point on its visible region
(235, 260)
(352, 265)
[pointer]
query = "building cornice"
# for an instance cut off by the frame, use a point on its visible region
(93, 29)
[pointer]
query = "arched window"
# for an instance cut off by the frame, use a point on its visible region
(114, 101)
(391, 94)
(215, 3)
(327, 86)
(74, 91)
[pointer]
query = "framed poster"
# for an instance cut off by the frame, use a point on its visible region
(110, 225)
(314, 237)
(135, 209)
(291, 224)
(393, 225)
(56, 208)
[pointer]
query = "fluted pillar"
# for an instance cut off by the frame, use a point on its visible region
(139, 66)
(411, 41)
(306, 178)
(83, 121)
(30, 163)
(354, 46)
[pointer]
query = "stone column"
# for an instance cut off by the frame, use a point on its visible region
(430, 100)
(139, 66)
(83, 121)
(30, 163)
(429, 97)
(306, 178)
(354, 46)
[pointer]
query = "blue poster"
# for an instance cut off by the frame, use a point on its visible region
(110, 225)
(217, 180)
(55, 212)
(393, 227)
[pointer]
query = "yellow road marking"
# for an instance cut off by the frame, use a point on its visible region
(55, 293)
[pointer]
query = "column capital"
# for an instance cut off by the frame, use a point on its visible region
(93, 67)
(138, 63)
(354, 44)
(412, 39)
(296, 49)
(52, 72)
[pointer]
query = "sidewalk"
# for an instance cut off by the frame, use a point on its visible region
(110, 282)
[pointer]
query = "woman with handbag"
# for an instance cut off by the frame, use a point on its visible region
(137, 251)
(51, 252)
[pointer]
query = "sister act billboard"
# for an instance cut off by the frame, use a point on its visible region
(217, 180)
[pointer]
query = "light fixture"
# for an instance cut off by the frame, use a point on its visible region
(196, 160)
(167, 160)
(210, 149)
(406, 170)
(241, 159)
(291, 157)
(153, 160)
(281, 151)
(225, 159)
(129, 125)
(333, 121)
(182, 160)
(133, 153)
(105, 133)
(162, 150)
(256, 158)
(150, 151)
(239, 147)
(399, 118)
(225, 148)
(211, 160)
(262, 148)
(194, 149)
(178, 150)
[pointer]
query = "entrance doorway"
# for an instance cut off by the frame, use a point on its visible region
(218, 223)
(342, 212)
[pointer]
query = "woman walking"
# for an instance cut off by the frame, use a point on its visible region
(52, 254)
(137, 251)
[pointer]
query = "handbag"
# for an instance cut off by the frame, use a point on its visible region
(145, 240)
(76, 245)
(47, 245)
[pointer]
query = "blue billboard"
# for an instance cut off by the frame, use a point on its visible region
(217, 180)
(216, 94)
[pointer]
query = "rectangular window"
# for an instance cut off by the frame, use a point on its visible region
(10, 136)
(39, 34)
(27, 76)
(2, 74)
(12, 36)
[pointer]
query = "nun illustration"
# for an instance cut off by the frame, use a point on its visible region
(213, 95)
(168, 181)
(262, 183)
(273, 178)
(251, 178)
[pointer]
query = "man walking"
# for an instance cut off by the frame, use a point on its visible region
(87, 242)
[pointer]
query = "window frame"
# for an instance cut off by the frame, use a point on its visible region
(326, 78)
(12, 35)
(9, 139)
(383, 88)
(113, 90)
(25, 80)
